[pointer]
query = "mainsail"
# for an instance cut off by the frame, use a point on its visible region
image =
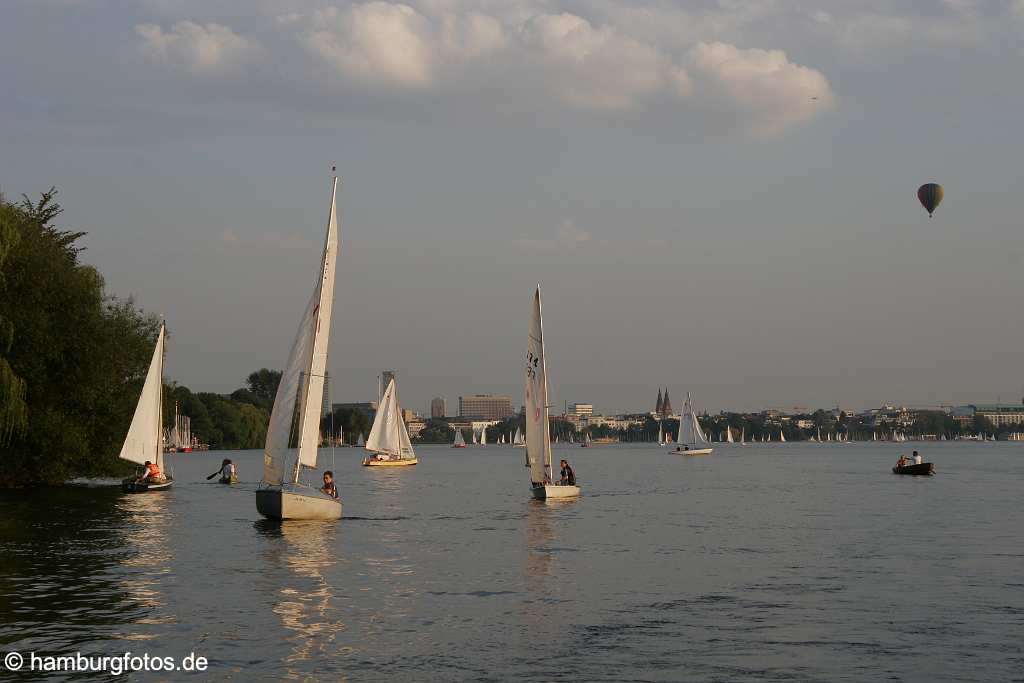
(538, 444)
(459, 440)
(294, 429)
(389, 435)
(689, 428)
(142, 442)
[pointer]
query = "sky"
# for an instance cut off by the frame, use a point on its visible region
(715, 196)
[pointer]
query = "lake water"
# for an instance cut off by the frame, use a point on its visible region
(789, 562)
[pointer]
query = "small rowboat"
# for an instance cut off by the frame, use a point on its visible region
(233, 479)
(924, 468)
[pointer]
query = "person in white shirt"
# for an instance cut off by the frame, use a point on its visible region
(917, 458)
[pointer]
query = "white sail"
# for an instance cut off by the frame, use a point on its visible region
(459, 440)
(728, 435)
(519, 440)
(292, 435)
(538, 444)
(689, 428)
(389, 435)
(360, 441)
(782, 437)
(743, 435)
(661, 434)
(142, 442)
(483, 436)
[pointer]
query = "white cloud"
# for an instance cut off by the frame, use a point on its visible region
(198, 49)
(599, 57)
(597, 67)
(377, 42)
(570, 236)
(773, 92)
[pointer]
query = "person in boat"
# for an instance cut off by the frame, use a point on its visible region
(902, 462)
(568, 476)
(917, 458)
(150, 472)
(329, 488)
(227, 470)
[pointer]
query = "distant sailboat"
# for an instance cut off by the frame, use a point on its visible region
(483, 436)
(782, 437)
(360, 442)
(389, 438)
(743, 436)
(728, 435)
(538, 440)
(475, 442)
(691, 437)
(586, 441)
(519, 441)
(294, 425)
(460, 442)
(142, 443)
(661, 435)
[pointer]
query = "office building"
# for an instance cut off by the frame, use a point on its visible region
(485, 406)
(439, 408)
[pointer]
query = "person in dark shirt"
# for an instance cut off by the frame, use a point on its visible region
(329, 488)
(568, 476)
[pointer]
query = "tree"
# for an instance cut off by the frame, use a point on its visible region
(263, 385)
(75, 356)
(436, 431)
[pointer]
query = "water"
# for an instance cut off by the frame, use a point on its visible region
(789, 562)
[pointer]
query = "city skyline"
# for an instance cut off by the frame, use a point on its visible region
(719, 199)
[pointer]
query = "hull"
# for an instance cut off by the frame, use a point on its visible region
(554, 491)
(367, 462)
(693, 451)
(924, 468)
(462, 446)
(296, 503)
(228, 480)
(132, 486)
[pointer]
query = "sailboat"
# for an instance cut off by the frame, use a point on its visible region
(143, 444)
(483, 436)
(389, 438)
(538, 439)
(782, 437)
(294, 427)
(661, 435)
(519, 441)
(460, 442)
(587, 443)
(475, 442)
(691, 438)
(360, 442)
(728, 435)
(743, 436)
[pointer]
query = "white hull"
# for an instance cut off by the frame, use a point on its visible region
(276, 502)
(693, 451)
(549, 491)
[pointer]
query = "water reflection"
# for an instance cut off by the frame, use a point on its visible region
(305, 601)
(146, 519)
(60, 581)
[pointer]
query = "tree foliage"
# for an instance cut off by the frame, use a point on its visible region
(73, 358)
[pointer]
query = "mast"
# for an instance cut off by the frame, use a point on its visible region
(159, 457)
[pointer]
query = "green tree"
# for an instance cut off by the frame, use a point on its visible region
(263, 386)
(436, 431)
(13, 409)
(81, 354)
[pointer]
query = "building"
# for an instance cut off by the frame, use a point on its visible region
(439, 408)
(409, 415)
(485, 406)
(1000, 414)
(325, 405)
(582, 410)
(666, 405)
(415, 427)
(659, 405)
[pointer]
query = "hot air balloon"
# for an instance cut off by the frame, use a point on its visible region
(930, 196)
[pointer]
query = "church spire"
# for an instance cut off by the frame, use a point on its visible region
(666, 405)
(659, 405)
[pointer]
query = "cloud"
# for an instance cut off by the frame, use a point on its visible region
(570, 236)
(197, 49)
(773, 92)
(532, 57)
